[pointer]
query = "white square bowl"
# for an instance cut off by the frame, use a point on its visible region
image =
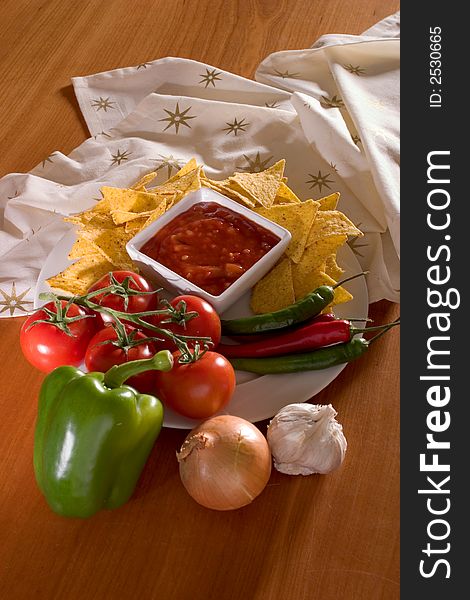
(175, 283)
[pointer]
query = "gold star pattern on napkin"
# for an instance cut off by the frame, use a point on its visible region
(236, 126)
(103, 104)
(210, 77)
(13, 301)
(176, 118)
(255, 165)
(319, 181)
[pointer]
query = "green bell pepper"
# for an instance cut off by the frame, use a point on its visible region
(93, 436)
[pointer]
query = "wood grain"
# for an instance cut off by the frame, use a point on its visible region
(329, 537)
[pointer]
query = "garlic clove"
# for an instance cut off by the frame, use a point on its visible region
(306, 438)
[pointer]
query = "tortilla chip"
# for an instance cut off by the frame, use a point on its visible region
(275, 290)
(318, 252)
(236, 192)
(155, 214)
(91, 218)
(210, 183)
(79, 276)
(123, 216)
(231, 190)
(133, 227)
(111, 244)
(81, 247)
(183, 184)
(285, 195)
(307, 281)
(140, 185)
(261, 187)
(170, 201)
(306, 278)
(329, 202)
(296, 218)
(331, 222)
(332, 268)
(341, 295)
(191, 165)
(129, 200)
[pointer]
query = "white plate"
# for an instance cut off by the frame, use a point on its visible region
(256, 397)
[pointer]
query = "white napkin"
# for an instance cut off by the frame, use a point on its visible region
(158, 115)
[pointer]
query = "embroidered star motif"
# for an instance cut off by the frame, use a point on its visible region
(48, 159)
(334, 102)
(286, 74)
(210, 77)
(319, 181)
(119, 157)
(13, 301)
(142, 65)
(333, 167)
(255, 165)
(354, 70)
(356, 139)
(103, 104)
(170, 162)
(236, 126)
(274, 104)
(177, 118)
(34, 232)
(103, 133)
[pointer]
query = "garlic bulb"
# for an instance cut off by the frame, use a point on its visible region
(306, 439)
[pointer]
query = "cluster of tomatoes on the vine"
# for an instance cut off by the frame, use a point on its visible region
(68, 332)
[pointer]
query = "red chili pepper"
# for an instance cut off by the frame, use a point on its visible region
(254, 337)
(316, 334)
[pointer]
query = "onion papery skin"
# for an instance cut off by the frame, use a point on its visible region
(225, 463)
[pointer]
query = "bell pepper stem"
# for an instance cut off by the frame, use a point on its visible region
(118, 374)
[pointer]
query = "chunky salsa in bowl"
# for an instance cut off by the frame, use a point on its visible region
(209, 245)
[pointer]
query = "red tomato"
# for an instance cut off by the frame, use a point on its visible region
(206, 324)
(101, 357)
(46, 347)
(137, 303)
(199, 389)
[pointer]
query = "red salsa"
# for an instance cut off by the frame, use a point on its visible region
(210, 245)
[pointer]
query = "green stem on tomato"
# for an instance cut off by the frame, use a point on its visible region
(118, 316)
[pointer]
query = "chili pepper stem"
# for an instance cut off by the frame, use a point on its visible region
(381, 328)
(384, 330)
(354, 319)
(343, 281)
(118, 374)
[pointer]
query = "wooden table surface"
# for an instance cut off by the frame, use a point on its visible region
(333, 537)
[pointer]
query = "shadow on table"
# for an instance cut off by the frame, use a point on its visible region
(69, 93)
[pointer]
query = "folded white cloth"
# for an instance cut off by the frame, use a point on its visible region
(331, 111)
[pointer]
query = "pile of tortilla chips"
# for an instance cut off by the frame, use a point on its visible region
(317, 230)
(105, 229)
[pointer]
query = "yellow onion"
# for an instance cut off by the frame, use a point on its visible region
(224, 463)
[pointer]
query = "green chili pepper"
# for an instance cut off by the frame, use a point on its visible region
(306, 308)
(93, 436)
(323, 358)
(308, 361)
